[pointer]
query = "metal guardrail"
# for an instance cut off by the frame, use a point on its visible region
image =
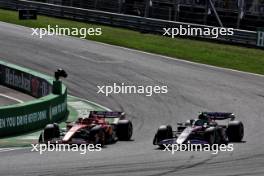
(127, 21)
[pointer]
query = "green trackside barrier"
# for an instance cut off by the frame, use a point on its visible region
(32, 115)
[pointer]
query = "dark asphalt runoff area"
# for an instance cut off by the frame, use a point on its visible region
(191, 88)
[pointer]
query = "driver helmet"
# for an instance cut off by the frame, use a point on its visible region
(203, 116)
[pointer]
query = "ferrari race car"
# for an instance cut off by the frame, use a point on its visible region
(206, 129)
(100, 127)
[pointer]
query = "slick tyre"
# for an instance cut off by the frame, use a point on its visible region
(235, 131)
(98, 135)
(164, 132)
(50, 131)
(212, 136)
(124, 130)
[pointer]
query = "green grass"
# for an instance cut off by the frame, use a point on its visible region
(222, 55)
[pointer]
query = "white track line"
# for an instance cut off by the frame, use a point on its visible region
(8, 149)
(12, 98)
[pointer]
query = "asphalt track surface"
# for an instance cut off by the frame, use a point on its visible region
(192, 88)
(10, 96)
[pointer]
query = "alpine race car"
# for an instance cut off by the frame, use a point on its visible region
(100, 127)
(206, 129)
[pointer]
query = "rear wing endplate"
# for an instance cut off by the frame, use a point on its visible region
(108, 114)
(219, 115)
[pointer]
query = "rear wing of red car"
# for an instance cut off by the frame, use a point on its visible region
(108, 114)
(219, 115)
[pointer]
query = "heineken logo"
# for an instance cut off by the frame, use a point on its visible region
(17, 79)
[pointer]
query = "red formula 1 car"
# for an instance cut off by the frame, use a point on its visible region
(101, 127)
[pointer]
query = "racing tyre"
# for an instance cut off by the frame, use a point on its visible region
(98, 135)
(50, 131)
(164, 132)
(124, 130)
(235, 131)
(211, 136)
(223, 136)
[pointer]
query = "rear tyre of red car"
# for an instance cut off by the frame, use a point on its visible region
(124, 130)
(100, 137)
(235, 131)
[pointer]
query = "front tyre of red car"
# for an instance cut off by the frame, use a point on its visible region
(50, 132)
